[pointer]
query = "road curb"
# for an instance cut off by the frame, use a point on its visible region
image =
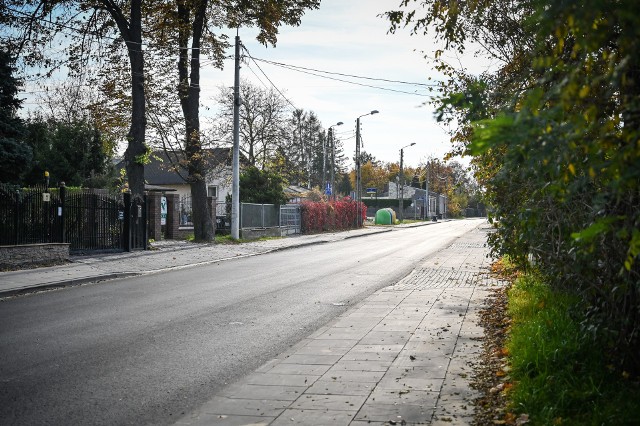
(65, 283)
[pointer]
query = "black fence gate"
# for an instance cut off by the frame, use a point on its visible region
(87, 219)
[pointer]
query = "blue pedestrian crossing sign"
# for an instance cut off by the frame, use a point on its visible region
(327, 189)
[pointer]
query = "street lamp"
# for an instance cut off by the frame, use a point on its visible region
(358, 174)
(333, 158)
(401, 199)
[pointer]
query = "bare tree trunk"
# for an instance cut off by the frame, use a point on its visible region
(189, 88)
(131, 32)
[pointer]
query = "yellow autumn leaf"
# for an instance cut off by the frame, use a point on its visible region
(584, 92)
(572, 169)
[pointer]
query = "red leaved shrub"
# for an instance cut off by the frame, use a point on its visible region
(323, 216)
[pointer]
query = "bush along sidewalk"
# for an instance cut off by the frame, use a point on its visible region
(340, 215)
(561, 372)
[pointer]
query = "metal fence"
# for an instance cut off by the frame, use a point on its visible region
(29, 215)
(251, 215)
(290, 218)
(87, 219)
(185, 211)
(259, 216)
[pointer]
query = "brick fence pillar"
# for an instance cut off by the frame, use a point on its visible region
(153, 209)
(173, 216)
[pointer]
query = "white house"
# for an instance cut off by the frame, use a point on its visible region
(167, 170)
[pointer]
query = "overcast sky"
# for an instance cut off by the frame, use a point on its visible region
(347, 36)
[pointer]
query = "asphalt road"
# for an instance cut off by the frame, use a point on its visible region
(147, 350)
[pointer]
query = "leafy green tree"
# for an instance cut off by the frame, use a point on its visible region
(15, 155)
(553, 132)
(74, 153)
(261, 186)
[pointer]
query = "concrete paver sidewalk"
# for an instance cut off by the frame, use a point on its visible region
(402, 356)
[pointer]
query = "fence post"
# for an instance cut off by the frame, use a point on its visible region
(145, 227)
(16, 219)
(63, 195)
(154, 217)
(126, 231)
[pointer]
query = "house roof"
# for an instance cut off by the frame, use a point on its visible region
(293, 190)
(165, 167)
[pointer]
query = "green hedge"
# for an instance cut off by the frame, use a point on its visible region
(383, 203)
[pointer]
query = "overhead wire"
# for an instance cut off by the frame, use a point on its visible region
(268, 79)
(317, 74)
(345, 75)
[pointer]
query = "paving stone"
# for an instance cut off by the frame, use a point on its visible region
(319, 350)
(343, 334)
(397, 325)
(386, 337)
(220, 405)
(337, 387)
(299, 369)
(428, 362)
(281, 379)
(299, 358)
(391, 382)
(350, 403)
(411, 414)
(416, 372)
(403, 396)
(362, 365)
(314, 417)
(263, 392)
(331, 343)
(356, 322)
(384, 356)
(353, 376)
(224, 420)
(450, 420)
(375, 348)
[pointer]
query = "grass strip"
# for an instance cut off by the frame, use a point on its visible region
(560, 376)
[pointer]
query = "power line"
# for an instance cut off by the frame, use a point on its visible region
(268, 79)
(303, 70)
(296, 67)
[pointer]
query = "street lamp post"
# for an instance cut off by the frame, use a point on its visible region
(358, 172)
(401, 198)
(333, 158)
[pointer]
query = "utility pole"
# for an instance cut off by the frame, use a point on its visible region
(427, 188)
(333, 157)
(324, 162)
(358, 171)
(333, 165)
(235, 186)
(401, 198)
(358, 176)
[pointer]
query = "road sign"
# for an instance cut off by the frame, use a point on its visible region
(372, 190)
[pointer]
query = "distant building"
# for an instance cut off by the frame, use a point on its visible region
(167, 170)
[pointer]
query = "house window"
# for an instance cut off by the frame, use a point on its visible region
(212, 191)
